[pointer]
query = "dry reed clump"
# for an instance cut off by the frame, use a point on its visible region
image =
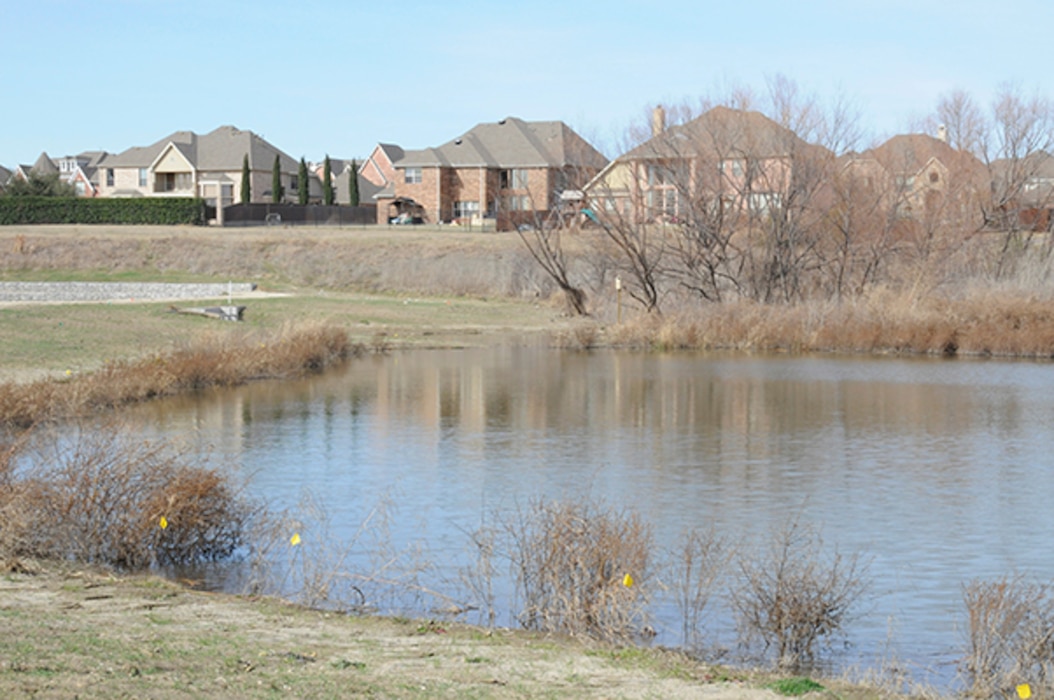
(212, 361)
(882, 322)
(581, 568)
(98, 495)
(1010, 638)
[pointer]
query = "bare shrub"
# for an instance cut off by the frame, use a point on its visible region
(1010, 637)
(698, 562)
(581, 568)
(99, 495)
(793, 597)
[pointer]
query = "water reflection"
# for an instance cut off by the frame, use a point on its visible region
(939, 470)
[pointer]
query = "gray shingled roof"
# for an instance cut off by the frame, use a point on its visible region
(510, 143)
(221, 149)
(44, 165)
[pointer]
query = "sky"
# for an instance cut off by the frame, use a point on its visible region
(318, 77)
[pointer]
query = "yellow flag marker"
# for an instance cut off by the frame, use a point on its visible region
(295, 539)
(163, 522)
(627, 581)
(1024, 691)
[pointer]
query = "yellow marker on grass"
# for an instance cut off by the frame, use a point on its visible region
(295, 539)
(627, 581)
(1024, 691)
(163, 523)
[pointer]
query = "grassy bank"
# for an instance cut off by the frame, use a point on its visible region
(394, 287)
(76, 632)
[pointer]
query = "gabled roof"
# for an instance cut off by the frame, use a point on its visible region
(219, 150)
(44, 165)
(509, 143)
(5, 175)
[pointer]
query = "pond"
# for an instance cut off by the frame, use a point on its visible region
(935, 471)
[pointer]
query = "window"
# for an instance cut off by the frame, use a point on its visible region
(465, 210)
(293, 183)
(517, 202)
(172, 182)
(412, 176)
(513, 179)
(109, 177)
(81, 189)
(934, 177)
(732, 167)
(142, 177)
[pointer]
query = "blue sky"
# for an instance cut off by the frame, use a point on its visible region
(325, 76)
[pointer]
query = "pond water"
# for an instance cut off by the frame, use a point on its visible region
(936, 471)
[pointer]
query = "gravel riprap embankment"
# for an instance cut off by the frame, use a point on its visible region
(117, 291)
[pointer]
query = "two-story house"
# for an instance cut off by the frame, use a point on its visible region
(728, 160)
(511, 171)
(80, 170)
(185, 164)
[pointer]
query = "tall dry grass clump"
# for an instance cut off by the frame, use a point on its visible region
(1010, 642)
(211, 361)
(100, 495)
(975, 324)
(581, 568)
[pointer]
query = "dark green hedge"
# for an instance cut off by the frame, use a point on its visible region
(79, 210)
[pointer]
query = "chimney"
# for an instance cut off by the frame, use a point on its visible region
(658, 120)
(942, 133)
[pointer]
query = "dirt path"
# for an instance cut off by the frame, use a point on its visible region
(89, 635)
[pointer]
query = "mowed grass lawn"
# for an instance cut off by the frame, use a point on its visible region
(43, 339)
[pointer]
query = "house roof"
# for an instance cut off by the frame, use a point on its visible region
(509, 143)
(219, 150)
(44, 165)
(722, 132)
(908, 154)
(5, 175)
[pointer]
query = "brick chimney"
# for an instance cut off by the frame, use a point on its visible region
(658, 120)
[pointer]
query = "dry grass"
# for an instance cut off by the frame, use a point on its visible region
(225, 360)
(96, 494)
(980, 324)
(581, 568)
(1011, 637)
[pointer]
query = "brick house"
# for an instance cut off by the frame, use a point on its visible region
(80, 171)
(185, 164)
(730, 160)
(511, 172)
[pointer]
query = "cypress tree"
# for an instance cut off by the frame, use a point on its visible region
(246, 187)
(301, 183)
(327, 183)
(353, 185)
(276, 181)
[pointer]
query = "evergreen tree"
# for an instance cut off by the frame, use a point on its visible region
(49, 185)
(276, 181)
(301, 183)
(327, 183)
(353, 185)
(246, 186)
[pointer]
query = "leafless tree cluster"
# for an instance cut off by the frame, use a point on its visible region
(778, 199)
